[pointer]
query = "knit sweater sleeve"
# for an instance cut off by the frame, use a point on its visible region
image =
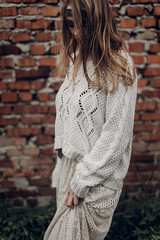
(104, 158)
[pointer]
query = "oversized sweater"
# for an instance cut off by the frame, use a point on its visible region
(95, 127)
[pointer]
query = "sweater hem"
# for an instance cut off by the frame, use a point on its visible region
(67, 149)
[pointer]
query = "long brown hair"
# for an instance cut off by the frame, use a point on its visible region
(97, 38)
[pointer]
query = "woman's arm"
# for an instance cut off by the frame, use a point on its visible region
(117, 132)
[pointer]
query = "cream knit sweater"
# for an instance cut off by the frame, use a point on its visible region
(96, 128)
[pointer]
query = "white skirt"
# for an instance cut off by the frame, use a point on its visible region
(91, 218)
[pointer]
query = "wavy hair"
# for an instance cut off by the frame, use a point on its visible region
(97, 39)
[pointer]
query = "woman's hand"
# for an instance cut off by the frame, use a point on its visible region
(72, 200)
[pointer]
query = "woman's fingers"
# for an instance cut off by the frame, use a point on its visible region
(72, 199)
(75, 200)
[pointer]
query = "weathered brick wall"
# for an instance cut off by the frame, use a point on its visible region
(29, 48)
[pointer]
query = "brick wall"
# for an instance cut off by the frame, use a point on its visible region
(29, 48)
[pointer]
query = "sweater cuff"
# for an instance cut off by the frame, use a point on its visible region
(78, 189)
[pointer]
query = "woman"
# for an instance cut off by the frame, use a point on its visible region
(95, 108)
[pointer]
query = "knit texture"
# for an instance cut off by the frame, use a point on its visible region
(96, 129)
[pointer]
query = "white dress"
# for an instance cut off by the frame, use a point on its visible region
(91, 218)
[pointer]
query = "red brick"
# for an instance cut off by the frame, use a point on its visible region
(36, 162)
(12, 141)
(153, 59)
(132, 168)
(5, 110)
(4, 74)
(45, 171)
(157, 10)
(143, 106)
(26, 96)
(145, 167)
(151, 94)
(151, 137)
(57, 85)
(43, 37)
(156, 177)
(40, 73)
(138, 59)
(135, 11)
(10, 11)
(58, 37)
(7, 163)
(20, 193)
(142, 82)
(37, 85)
(41, 24)
(137, 116)
(142, 127)
(158, 35)
(154, 147)
(7, 184)
(130, 187)
(3, 85)
(150, 116)
(39, 182)
(11, 1)
(30, 109)
(43, 97)
(148, 22)
(5, 23)
(158, 127)
(144, 1)
(49, 131)
(136, 47)
(46, 191)
(142, 158)
(32, 202)
(37, 50)
(23, 24)
(50, 62)
(41, 140)
(152, 71)
(48, 151)
(26, 62)
(16, 132)
(114, 11)
(18, 173)
(152, 187)
(52, 109)
(155, 47)
(20, 85)
(29, 10)
(136, 147)
(50, 1)
(125, 35)
(18, 202)
(5, 35)
(9, 97)
(29, 1)
(6, 62)
(10, 121)
(50, 11)
(128, 23)
(56, 49)
(20, 37)
(114, 1)
(8, 174)
(38, 120)
(28, 151)
(9, 49)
